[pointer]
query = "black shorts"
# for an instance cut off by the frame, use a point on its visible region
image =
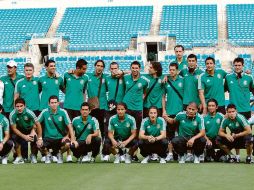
(238, 143)
(171, 129)
(51, 143)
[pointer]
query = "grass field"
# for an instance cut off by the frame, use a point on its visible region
(108, 176)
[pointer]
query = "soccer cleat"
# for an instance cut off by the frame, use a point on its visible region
(202, 157)
(106, 158)
(117, 159)
(134, 158)
(162, 161)
(154, 157)
(54, 159)
(69, 158)
(33, 159)
(18, 160)
(189, 157)
(169, 157)
(122, 157)
(145, 160)
(196, 159)
(248, 160)
(127, 159)
(86, 158)
(92, 159)
(238, 158)
(59, 158)
(4, 160)
(43, 158)
(181, 159)
(231, 159)
(47, 159)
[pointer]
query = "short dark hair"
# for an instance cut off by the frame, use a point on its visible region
(80, 63)
(179, 46)
(136, 63)
(122, 104)
(231, 106)
(85, 104)
(29, 65)
(157, 67)
(238, 59)
(193, 103)
(212, 100)
(20, 101)
(192, 56)
(113, 63)
(48, 62)
(100, 60)
(210, 58)
(153, 107)
(174, 64)
(53, 97)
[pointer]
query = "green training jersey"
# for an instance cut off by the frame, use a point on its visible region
(153, 129)
(112, 86)
(4, 126)
(181, 65)
(212, 124)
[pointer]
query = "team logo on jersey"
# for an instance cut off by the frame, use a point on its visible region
(78, 126)
(17, 119)
(25, 118)
(218, 76)
(158, 126)
(69, 79)
(81, 82)
(230, 125)
(60, 118)
(24, 86)
(208, 80)
(34, 82)
(195, 123)
(207, 122)
(56, 82)
(127, 82)
(128, 125)
(89, 126)
(218, 121)
(159, 81)
(237, 124)
(6, 82)
(245, 82)
(180, 84)
(169, 86)
(148, 127)
(182, 121)
(139, 85)
(49, 118)
(44, 82)
(231, 82)
(115, 125)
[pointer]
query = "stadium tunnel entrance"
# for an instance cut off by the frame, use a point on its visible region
(44, 49)
(152, 51)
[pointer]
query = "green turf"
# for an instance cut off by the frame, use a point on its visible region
(205, 176)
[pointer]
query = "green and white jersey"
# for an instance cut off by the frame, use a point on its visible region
(111, 86)
(190, 86)
(9, 87)
(24, 121)
(153, 129)
(75, 88)
(174, 104)
(189, 127)
(213, 86)
(93, 89)
(235, 126)
(239, 90)
(91, 125)
(4, 126)
(134, 91)
(122, 129)
(154, 98)
(181, 65)
(49, 86)
(29, 91)
(61, 119)
(212, 124)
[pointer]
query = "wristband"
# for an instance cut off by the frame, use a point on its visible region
(40, 138)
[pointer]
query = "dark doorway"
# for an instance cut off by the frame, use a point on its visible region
(44, 52)
(152, 51)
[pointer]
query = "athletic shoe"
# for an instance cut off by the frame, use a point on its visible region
(47, 159)
(106, 158)
(248, 160)
(122, 157)
(4, 160)
(202, 157)
(43, 158)
(181, 159)
(196, 159)
(162, 161)
(127, 159)
(231, 159)
(209, 159)
(117, 159)
(18, 160)
(33, 159)
(54, 159)
(92, 159)
(154, 157)
(102, 157)
(169, 157)
(189, 157)
(145, 160)
(238, 158)
(69, 158)
(59, 158)
(134, 158)
(86, 158)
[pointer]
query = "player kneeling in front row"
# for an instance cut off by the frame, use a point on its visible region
(152, 136)
(57, 128)
(121, 135)
(5, 143)
(191, 133)
(87, 133)
(240, 136)
(26, 128)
